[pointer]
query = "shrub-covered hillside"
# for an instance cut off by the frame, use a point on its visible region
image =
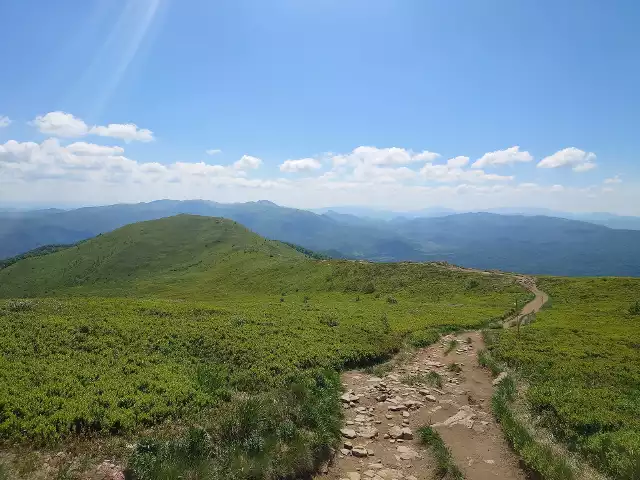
(582, 359)
(175, 319)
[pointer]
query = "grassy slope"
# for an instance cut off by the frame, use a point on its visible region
(191, 293)
(582, 358)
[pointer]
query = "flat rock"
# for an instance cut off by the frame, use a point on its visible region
(499, 378)
(406, 434)
(348, 432)
(359, 452)
(369, 433)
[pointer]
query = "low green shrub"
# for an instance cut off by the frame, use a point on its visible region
(446, 468)
(423, 338)
(536, 456)
(285, 433)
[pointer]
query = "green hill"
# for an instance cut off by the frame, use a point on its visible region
(182, 254)
(194, 320)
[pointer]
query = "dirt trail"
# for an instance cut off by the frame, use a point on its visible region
(377, 409)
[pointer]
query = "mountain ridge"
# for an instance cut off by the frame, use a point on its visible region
(481, 240)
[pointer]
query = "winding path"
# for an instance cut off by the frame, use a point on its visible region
(460, 410)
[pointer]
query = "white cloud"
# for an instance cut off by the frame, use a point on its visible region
(503, 157)
(579, 160)
(200, 169)
(374, 174)
(393, 156)
(88, 173)
(82, 148)
(80, 161)
(247, 162)
(61, 124)
(301, 165)
(127, 132)
(451, 174)
(458, 162)
(425, 156)
(614, 180)
(584, 167)
(4, 121)
(213, 151)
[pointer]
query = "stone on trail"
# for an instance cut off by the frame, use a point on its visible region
(396, 408)
(395, 432)
(349, 397)
(499, 378)
(359, 452)
(369, 433)
(406, 453)
(348, 432)
(407, 434)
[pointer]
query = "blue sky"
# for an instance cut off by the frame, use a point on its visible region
(353, 93)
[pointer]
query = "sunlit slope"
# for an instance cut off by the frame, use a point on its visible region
(193, 257)
(182, 253)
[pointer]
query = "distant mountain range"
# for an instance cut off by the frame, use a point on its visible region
(610, 220)
(526, 243)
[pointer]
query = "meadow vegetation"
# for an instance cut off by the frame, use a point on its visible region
(581, 360)
(446, 467)
(198, 321)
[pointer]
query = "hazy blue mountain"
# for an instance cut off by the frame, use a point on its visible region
(322, 233)
(531, 244)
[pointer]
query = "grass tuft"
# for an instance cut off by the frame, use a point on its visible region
(454, 367)
(451, 346)
(487, 361)
(446, 468)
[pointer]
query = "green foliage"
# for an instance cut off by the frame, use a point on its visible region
(20, 305)
(177, 321)
(582, 361)
(284, 433)
(434, 379)
(634, 309)
(486, 360)
(368, 288)
(471, 284)
(540, 458)
(36, 252)
(446, 468)
(392, 300)
(423, 338)
(307, 252)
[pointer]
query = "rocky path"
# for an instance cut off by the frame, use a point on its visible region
(383, 415)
